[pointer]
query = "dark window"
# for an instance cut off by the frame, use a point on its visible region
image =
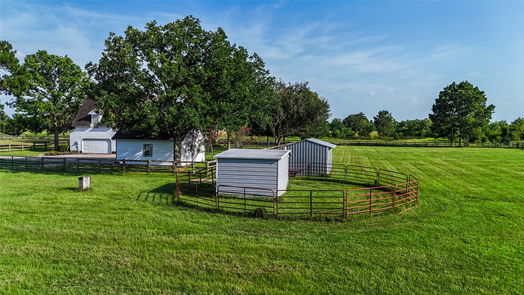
(148, 150)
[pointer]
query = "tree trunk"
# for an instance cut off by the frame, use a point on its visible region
(278, 140)
(56, 147)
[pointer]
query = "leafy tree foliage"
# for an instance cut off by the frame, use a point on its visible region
(49, 87)
(338, 129)
(517, 129)
(359, 124)
(3, 117)
(21, 123)
(460, 112)
(10, 71)
(170, 79)
(385, 123)
(295, 109)
(414, 128)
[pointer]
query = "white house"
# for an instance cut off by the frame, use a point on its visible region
(90, 135)
(137, 146)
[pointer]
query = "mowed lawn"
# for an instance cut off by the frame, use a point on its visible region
(466, 236)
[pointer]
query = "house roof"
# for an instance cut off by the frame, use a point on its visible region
(139, 135)
(83, 118)
(254, 154)
(319, 142)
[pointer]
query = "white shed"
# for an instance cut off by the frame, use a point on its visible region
(253, 171)
(311, 156)
(136, 146)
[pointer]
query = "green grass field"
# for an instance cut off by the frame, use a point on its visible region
(466, 236)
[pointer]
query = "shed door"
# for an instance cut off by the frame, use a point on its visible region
(96, 146)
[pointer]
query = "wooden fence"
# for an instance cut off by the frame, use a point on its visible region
(98, 165)
(37, 145)
(388, 191)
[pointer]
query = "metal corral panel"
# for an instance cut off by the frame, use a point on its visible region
(239, 171)
(311, 157)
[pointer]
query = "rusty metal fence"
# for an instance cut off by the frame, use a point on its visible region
(386, 191)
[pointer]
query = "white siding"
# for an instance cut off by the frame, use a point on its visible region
(132, 149)
(247, 173)
(283, 174)
(80, 134)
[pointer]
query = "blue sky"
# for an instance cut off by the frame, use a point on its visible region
(360, 55)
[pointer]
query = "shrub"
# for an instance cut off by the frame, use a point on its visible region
(63, 147)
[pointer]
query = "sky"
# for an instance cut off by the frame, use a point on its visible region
(362, 56)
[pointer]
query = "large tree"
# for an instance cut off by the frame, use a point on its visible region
(296, 110)
(52, 89)
(170, 79)
(460, 111)
(517, 129)
(359, 123)
(385, 123)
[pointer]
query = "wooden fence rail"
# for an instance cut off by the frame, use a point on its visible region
(98, 165)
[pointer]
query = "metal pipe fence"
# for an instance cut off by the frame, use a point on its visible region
(387, 191)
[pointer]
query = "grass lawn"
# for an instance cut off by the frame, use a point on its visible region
(26, 153)
(465, 237)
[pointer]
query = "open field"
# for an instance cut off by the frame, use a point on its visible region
(465, 237)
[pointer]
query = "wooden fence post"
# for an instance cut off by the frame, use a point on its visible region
(394, 196)
(245, 209)
(311, 204)
(370, 201)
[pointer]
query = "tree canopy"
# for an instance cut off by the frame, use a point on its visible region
(359, 124)
(384, 123)
(295, 109)
(53, 89)
(171, 79)
(460, 112)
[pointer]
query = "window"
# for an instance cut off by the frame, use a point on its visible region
(148, 150)
(95, 120)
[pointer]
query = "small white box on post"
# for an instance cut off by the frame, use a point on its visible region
(84, 182)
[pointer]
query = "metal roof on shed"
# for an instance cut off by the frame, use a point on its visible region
(319, 142)
(252, 154)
